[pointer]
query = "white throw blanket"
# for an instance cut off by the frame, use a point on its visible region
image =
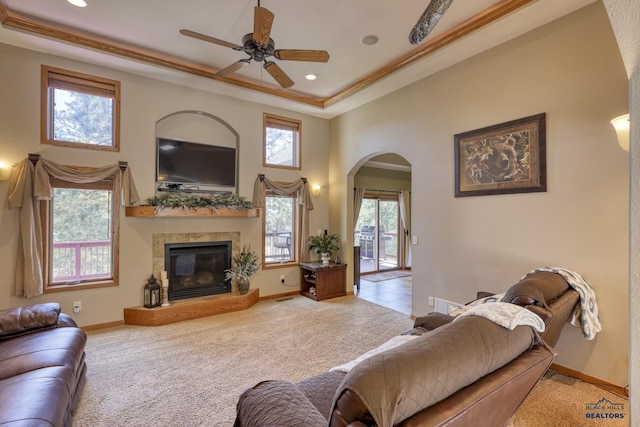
(506, 315)
(393, 342)
(585, 315)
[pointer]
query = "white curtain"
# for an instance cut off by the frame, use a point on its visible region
(28, 185)
(300, 189)
(404, 199)
(358, 195)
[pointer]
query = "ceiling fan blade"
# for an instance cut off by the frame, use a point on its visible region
(277, 73)
(302, 55)
(431, 16)
(236, 66)
(262, 21)
(210, 39)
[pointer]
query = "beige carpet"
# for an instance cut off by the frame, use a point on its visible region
(191, 373)
(562, 401)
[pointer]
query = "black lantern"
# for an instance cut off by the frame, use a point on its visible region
(152, 293)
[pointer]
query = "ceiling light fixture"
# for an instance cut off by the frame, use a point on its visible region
(79, 3)
(369, 40)
(310, 77)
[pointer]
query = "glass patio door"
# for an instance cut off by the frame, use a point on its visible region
(377, 232)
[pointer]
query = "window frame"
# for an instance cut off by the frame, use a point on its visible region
(283, 123)
(52, 78)
(46, 226)
(295, 234)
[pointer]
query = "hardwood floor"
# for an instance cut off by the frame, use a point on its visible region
(394, 293)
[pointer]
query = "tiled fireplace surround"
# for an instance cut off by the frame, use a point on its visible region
(159, 240)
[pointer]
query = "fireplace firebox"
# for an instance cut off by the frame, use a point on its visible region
(197, 269)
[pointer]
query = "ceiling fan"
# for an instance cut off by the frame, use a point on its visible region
(430, 17)
(259, 46)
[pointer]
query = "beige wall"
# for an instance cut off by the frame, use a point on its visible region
(571, 69)
(382, 179)
(144, 101)
(625, 19)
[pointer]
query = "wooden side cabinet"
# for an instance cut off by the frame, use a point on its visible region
(319, 281)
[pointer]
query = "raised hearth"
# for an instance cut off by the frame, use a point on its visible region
(193, 308)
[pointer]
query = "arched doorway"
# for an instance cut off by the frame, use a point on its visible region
(382, 250)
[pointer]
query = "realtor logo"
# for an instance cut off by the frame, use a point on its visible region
(604, 409)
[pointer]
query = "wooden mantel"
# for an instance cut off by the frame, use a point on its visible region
(150, 212)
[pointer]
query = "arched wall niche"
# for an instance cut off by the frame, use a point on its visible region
(202, 128)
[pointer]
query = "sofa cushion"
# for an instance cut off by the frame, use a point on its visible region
(36, 398)
(53, 347)
(396, 384)
(23, 320)
(540, 288)
(277, 403)
(320, 390)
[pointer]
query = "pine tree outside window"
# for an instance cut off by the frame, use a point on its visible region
(282, 144)
(80, 110)
(80, 236)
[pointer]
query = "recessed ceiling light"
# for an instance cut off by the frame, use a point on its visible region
(369, 40)
(310, 77)
(79, 3)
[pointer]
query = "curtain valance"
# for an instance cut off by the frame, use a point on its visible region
(29, 184)
(298, 188)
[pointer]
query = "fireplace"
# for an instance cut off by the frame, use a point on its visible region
(196, 269)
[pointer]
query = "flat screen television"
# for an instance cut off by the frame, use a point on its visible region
(193, 165)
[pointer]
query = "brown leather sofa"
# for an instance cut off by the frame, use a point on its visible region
(462, 373)
(42, 366)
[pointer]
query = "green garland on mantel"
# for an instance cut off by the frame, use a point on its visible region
(192, 201)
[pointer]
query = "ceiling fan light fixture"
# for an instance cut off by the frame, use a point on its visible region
(431, 16)
(259, 46)
(310, 77)
(370, 40)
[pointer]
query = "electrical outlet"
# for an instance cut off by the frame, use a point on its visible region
(77, 307)
(282, 278)
(414, 240)
(431, 301)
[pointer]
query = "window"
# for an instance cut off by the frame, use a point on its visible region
(282, 142)
(280, 229)
(80, 235)
(79, 110)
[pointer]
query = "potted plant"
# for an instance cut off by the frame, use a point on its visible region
(324, 244)
(244, 264)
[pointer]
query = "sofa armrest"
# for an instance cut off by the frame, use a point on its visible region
(432, 321)
(543, 313)
(66, 321)
(24, 320)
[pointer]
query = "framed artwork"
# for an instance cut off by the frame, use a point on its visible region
(505, 158)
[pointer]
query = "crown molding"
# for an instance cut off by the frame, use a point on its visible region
(41, 27)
